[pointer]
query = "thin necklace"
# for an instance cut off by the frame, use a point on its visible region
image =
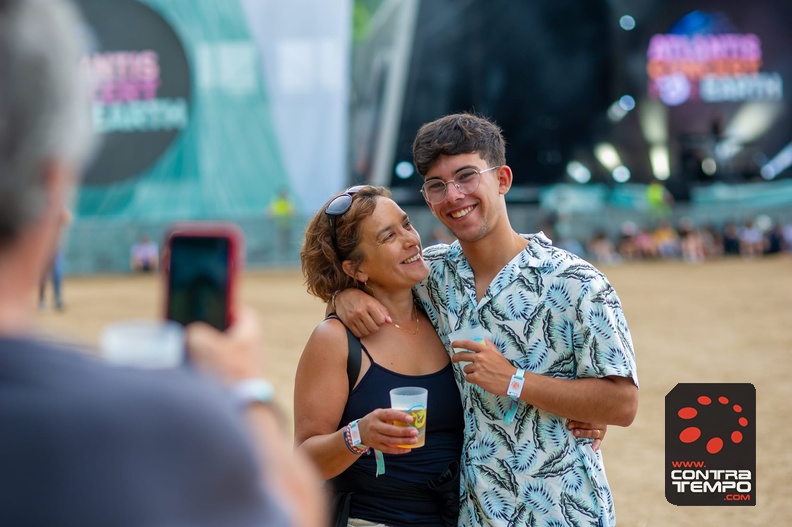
(417, 323)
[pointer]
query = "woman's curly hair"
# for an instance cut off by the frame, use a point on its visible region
(321, 264)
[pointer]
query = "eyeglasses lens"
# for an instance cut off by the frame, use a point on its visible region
(339, 205)
(466, 183)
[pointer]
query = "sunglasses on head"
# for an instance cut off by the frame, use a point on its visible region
(338, 206)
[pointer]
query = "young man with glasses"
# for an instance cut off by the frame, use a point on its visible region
(560, 350)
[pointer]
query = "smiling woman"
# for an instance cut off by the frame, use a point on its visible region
(363, 239)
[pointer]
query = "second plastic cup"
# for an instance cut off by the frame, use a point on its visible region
(412, 399)
(476, 334)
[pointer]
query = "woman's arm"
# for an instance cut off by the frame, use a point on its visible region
(321, 390)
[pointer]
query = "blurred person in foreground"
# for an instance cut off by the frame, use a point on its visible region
(361, 238)
(83, 443)
(561, 349)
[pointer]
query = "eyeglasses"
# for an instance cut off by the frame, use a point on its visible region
(338, 206)
(467, 182)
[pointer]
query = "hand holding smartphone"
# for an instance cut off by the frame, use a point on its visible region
(202, 261)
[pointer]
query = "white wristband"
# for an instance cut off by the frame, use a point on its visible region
(251, 391)
(516, 384)
(354, 435)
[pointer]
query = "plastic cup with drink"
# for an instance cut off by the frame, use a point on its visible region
(412, 400)
(474, 333)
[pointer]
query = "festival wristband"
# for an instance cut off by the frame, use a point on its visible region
(348, 443)
(514, 391)
(354, 435)
(355, 444)
(516, 384)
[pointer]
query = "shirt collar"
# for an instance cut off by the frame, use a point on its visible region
(535, 253)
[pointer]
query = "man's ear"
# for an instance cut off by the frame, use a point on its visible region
(505, 179)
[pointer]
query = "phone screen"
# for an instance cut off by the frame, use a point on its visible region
(199, 280)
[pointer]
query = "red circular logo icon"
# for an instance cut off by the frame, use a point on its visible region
(693, 433)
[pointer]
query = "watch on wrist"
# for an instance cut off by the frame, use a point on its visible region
(251, 391)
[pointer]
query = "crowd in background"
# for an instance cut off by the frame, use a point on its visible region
(683, 240)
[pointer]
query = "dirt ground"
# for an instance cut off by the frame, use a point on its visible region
(722, 321)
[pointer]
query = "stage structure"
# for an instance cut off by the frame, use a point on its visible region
(207, 111)
(618, 95)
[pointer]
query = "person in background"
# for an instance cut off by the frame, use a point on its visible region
(55, 273)
(144, 255)
(691, 243)
(561, 349)
(644, 241)
(627, 245)
(666, 239)
(731, 239)
(361, 238)
(602, 250)
(786, 231)
(659, 200)
(81, 442)
(712, 241)
(282, 212)
(752, 242)
(774, 239)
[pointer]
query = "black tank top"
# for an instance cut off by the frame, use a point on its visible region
(371, 499)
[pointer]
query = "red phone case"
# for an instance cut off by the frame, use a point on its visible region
(226, 230)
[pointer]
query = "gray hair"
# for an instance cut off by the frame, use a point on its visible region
(44, 110)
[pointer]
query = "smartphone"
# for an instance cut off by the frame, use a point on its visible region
(202, 261)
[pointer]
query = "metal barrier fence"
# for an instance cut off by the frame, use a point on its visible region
(93, 246)
(97, 247)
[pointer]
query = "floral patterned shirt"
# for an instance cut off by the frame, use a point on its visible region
(551, 313)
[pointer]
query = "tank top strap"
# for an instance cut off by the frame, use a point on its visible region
(351, 336)
(367, 353)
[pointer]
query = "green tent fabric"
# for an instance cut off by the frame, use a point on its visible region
(226, 163)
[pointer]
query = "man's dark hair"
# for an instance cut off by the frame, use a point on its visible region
(460, 133)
